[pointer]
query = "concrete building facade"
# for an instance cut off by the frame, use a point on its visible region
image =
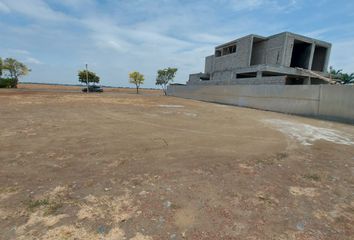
(285, 58)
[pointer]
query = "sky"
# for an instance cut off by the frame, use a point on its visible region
(56, 38)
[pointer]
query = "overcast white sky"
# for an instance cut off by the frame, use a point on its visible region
(57, 37)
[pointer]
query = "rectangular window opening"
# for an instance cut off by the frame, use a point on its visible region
(258, 51)
(229, 49)
(225, 51)
(301, 54)
(294, 81)
(218, 53)
(246, 75)
(319, 59)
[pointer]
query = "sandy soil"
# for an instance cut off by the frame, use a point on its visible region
(146, 167)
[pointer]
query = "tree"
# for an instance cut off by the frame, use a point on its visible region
(347, 78)
(12, 69)
(91, 76)
(15, 68)
(137, 79)
(164, 77)
(336, 74)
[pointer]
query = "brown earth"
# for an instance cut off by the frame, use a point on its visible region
(126, 166)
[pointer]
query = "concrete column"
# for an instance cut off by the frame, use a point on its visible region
(231, 77)
(259, 75)
(311, 55)
(307, 81)
(325, 69)
(285, 46)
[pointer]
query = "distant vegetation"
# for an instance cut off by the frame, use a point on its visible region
(345, 78)
(164, 77)
(87, 77)
(12, 70)
(137, 79)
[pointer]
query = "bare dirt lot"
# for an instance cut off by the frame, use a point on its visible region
(143, 167)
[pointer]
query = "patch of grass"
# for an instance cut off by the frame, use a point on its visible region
(8, 189)
(52, 208)
(48, 206)
(281, 155)
(266, 161)
(271, 160)
(312, 176)
(33, 204)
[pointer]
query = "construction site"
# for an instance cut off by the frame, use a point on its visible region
(176, 120)
(118, 165)
(285, 73)
(285, 58)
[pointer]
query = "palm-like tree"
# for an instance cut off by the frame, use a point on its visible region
(347, 78)
(336, 74)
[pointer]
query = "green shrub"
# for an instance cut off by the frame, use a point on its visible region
(8, 83)
(32, 204)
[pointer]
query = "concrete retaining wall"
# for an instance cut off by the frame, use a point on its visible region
(337, 103)
(195, 80)
(325, 101)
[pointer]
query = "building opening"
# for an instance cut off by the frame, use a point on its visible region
(294, 81)
(225, 50)
(229, 50)
(301, 54)
(246, 75)
(258, 51)
(218, 53)
(319, 59)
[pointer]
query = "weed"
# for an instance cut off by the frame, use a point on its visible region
(272, 159)
(281, 155)
(312, 176)
(8, 189)
(52, 208)
(267, 161)
(32, 204)
(49, 207)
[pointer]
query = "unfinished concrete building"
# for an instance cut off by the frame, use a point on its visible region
(285, 58)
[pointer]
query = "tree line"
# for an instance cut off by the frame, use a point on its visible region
(10, 72)
(164, 77)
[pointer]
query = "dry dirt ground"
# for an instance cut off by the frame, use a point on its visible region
(44, 87)
(149, 167)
